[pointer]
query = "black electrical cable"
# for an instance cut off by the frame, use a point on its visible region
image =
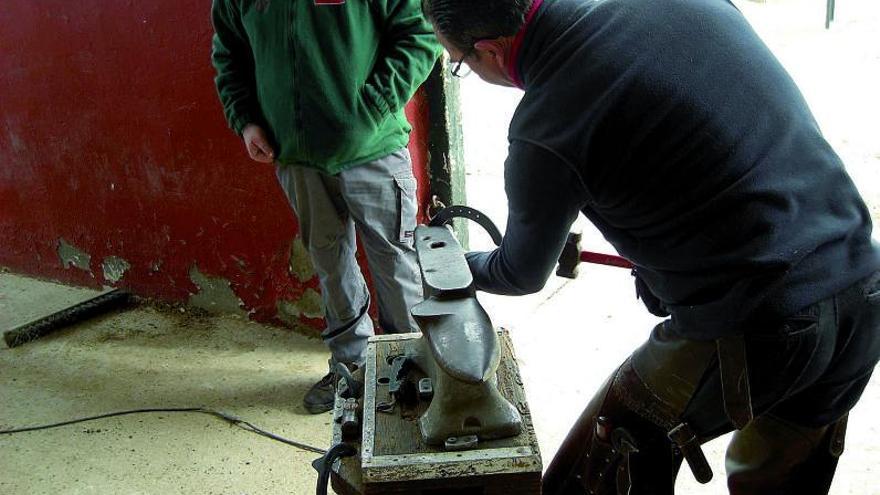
(324, 464)
(245, 425)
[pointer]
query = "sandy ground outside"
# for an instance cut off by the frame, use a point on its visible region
(572, 334)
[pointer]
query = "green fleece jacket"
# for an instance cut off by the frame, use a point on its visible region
(326, 79)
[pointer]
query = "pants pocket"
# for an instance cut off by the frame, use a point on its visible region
(406, 194)
(788, 359)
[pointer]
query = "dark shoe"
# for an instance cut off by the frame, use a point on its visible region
(322, 395)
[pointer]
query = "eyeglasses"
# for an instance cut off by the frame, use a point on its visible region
(456, 67)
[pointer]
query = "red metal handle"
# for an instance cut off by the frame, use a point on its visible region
(605, 259)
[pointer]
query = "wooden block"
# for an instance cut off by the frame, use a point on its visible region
(394, 460)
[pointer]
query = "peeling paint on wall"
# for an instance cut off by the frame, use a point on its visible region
(215, 294)
(309, 305)
(300, 263)
(240, 263)
(114, 268)
(73, 256)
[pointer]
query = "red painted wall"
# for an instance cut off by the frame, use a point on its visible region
(112, 138)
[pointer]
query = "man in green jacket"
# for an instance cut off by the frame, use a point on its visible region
(318, 87)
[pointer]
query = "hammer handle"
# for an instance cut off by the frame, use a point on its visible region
(605, 259)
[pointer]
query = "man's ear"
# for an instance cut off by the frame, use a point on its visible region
(497, 50)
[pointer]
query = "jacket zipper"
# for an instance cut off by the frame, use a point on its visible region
(297, 104)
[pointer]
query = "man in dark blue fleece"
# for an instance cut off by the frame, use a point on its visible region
(671, 126)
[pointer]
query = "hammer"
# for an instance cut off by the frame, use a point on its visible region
(572, 256)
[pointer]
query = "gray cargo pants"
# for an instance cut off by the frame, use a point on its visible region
(378, 200)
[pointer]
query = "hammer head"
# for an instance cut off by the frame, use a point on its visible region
(570, 257)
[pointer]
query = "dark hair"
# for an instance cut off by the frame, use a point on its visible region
(464, 22)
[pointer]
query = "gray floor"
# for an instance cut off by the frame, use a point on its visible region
(155, 358)
(567, 338)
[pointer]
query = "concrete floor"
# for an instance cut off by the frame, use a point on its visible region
(568, 338)
(150, 357)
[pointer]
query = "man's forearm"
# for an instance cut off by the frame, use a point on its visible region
(491, 274)
(543, 201)
(232, 59)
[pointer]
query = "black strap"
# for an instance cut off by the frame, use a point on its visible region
(686, 439)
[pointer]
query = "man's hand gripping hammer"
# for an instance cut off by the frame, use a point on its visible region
(572, 256)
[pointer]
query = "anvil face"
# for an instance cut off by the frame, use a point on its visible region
(461, 351)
